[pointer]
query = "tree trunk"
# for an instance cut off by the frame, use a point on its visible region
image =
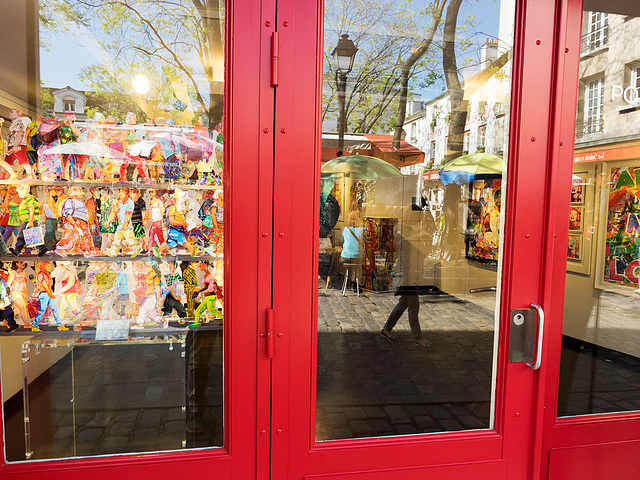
(458, 118)
(408, 65)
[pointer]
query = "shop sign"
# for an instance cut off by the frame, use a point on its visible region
(589, 157)
(629, 95)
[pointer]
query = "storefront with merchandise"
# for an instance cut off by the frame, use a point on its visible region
(287, 240)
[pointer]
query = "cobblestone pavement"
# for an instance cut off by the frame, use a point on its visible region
(368, 386)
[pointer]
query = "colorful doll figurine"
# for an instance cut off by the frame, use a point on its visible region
(149, 294)
(17, 283)
(211, 293)
(107, 228)
(123, 238)
(190, 285)
(156, 237)
(45, 296)
(51, 208)
(69, 133)
(93, 207)
(128, 139)
(11, 205)
(6, 312)
(217, 217)
(16, 146)
(29, 213)
(177, 223)
(76, 238)
(71, 288)
(121, 289)
(175, 296)
(49, 164)
(138, 217)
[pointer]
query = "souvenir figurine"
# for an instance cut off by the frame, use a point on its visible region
(49, 164)
(175, 296)
(190, 286)
(45, 296)
(51, 208)
(217, 217)
(98, 285)
(95, 168)
(93, 204)
(11, 206)
(16, 146)
(177, 224)
(6, 312)
(18, 290)
(129, 138)
(33, 142)
(121, 289)
(138, 217)
(124, 232)
(76, 238)
(148, 292)
(69, 133)
(156, 240)
(211, 293)
(107, 228)
(71, 288)
(29, 213)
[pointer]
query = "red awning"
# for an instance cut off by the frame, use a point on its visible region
(406, 154)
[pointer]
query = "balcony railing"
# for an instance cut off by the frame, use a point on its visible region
(595, 40)
(588, 128)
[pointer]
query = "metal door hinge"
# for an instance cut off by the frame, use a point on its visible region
(275, 58)
(269, 328)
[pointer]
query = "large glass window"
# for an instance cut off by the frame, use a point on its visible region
(410, 227)
(600, 365)
(112, 227)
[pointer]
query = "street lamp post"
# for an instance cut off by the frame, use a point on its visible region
(343, 57)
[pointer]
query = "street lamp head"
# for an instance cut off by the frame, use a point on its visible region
(344, 54)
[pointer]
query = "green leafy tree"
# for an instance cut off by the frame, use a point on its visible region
(177, 43)
(384, 33)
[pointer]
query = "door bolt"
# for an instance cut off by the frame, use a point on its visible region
(267, 23)
(280, 335)
(286, 24)
(281, 234)
(266, 130)
(278, 431)
(283, 130)
(262, 432)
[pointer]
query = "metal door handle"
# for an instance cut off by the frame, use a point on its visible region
(538, 357)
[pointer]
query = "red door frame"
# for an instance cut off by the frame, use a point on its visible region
(507, 451)
(594, 446)
(248, 216)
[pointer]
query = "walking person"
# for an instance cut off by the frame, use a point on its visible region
(409, 299)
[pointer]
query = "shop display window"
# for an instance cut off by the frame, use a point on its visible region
(112, 230)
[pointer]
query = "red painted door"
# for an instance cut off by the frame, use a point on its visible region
(590, 420)
(351, 401)
(229, 367)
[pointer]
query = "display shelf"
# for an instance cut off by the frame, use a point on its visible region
(107, 258)
(115, 185)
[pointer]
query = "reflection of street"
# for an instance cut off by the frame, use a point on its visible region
(368, 386)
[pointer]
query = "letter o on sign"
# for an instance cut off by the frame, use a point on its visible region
(627, 94)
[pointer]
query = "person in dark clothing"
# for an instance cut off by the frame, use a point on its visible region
(409, 299)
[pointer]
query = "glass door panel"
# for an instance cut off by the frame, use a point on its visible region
(113, 230)
(411, 220)
(600, 367)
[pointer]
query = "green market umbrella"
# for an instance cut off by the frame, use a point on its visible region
(361, 167)
(463, 170)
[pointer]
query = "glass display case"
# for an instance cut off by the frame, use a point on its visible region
(112, 233)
